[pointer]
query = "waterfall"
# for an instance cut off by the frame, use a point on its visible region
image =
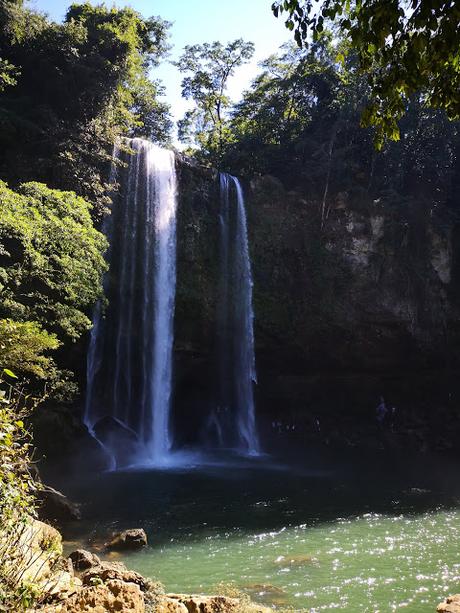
(162, 168)
(129, 363)
(236, 411)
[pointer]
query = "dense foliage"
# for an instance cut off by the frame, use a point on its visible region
(405, 48)
(51, 258)
(25, 347)
(70, 88)
(51, 264)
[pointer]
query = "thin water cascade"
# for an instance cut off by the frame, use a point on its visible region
(236, 411)
(129, 363)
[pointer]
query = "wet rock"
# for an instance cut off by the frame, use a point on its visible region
(266, 592)
(55, 506)
(264, 587)
(450, 605)
(82, 560)
(111, 597)
(135, 538)
(213, 604)
(107, 571)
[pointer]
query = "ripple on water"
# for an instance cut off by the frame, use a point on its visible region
(368, 563)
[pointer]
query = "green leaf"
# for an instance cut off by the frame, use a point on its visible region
(8, 372)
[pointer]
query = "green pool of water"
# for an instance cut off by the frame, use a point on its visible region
(365, 537)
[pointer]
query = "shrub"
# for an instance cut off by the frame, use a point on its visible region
(16, 495)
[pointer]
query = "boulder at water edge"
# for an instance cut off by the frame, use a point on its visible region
(128, 540)
(106, 571)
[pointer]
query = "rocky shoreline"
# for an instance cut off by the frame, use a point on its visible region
(83, 582)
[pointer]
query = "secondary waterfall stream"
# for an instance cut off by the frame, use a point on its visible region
(129, 368)
(236, 318)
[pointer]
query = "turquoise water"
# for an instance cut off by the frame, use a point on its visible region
(366, 537)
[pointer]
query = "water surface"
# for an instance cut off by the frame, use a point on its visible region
(349, 534)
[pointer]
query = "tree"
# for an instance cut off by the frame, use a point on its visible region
(290, 123)
(210, 66)
(405, 48)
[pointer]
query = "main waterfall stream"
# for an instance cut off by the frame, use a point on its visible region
(129, 373)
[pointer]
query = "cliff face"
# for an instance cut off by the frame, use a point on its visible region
(369, 289)
(350, 303)
(353, 302)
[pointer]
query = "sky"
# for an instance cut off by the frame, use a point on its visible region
(199, 21)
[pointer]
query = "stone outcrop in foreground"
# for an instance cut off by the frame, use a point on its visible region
(38, 561)
(86, 584)
(110, 597)
(450, 605)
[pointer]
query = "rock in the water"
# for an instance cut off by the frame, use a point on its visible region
(128, 539)
(107, 571)
(55, 506)
(82, 560)
(110, 597)
(450, 605)
(296, 560)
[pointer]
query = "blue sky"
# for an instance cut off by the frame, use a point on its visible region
(198, 21)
